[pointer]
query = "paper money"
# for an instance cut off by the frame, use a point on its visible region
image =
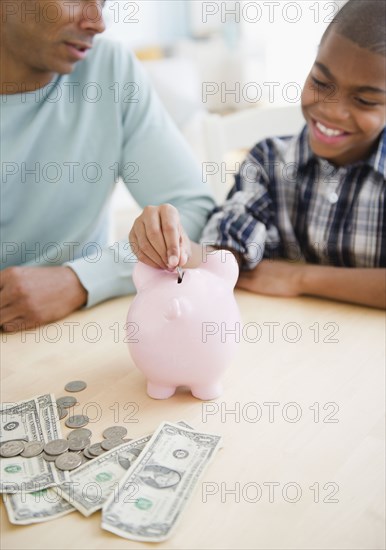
(151, 496)
(91, 485)
(36, 420)
(26, 508)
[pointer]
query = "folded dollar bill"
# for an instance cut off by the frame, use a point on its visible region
(151, 496)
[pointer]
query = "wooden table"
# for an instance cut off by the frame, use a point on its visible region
(302, 418)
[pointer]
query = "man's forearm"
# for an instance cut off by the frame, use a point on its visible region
(366, 286)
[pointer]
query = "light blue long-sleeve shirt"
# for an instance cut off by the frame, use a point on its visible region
(63, 148)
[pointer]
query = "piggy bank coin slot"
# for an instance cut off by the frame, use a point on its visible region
(181, 274)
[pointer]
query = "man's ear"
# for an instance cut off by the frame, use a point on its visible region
(222, 263)
(143, 275)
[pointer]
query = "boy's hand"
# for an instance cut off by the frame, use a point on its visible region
(158, 238)
(273, 278)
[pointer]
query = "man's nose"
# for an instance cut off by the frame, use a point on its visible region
(92, 17)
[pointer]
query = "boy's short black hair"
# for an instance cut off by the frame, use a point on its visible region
(363, 22)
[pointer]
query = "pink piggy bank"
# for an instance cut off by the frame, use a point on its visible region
(181, 337)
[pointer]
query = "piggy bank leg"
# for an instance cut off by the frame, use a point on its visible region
(156, 391)
(207, 392)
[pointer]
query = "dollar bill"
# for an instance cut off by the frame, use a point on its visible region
(26, 508)
(151, 496)
(36, 420)
(90, 485)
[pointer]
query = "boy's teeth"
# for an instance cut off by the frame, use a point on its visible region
(328, 131)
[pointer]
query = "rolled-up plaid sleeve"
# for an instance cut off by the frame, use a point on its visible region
(246, 220)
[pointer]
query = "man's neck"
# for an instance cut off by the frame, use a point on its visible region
(17, 80)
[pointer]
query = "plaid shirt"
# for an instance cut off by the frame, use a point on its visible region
(289, 203)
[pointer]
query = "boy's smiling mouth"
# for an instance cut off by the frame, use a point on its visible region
(326, 133)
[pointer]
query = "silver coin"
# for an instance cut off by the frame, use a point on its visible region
(75, 385)
(77, 421)
(78, 444)
(68, 461)
(62, 412)
(80, 433)
(56, 447)
(83, 458)
(32, 448)
(95, 449)
(67, 401)
(109, 444)
(87, 454)
(49, 458)
(11, 448)
(114, 432)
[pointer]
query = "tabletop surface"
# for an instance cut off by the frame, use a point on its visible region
(301, 416)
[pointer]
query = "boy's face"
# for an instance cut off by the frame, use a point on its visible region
(42, 37)
(344, 100)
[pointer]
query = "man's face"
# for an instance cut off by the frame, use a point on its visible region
(344, 100)
(42, 37)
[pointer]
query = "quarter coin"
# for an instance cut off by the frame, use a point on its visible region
(75, 385)
(78, 444)
(68, 461)
(77, 421)
(32, 448)
(66, 401)
(95, 449)
(56, 447)
(11, 448)
(115, 432)
(81, 432)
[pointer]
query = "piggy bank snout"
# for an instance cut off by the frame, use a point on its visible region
(173, 309)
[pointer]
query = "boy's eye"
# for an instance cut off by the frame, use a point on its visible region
(319, 83)
(366, 102)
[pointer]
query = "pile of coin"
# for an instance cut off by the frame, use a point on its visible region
(70, 453)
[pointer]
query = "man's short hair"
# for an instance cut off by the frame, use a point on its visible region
(363, 22)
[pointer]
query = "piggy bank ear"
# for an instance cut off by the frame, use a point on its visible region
(143, 274)
(224, 264)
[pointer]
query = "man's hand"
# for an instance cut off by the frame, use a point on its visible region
(32, 296)
(273, 278)
(158, 238)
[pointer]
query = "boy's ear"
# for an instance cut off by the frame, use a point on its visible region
(143, 274)
(224, 264)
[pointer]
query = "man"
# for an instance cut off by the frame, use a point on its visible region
(77, 114)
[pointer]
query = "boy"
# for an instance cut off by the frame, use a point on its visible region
(329, 210)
